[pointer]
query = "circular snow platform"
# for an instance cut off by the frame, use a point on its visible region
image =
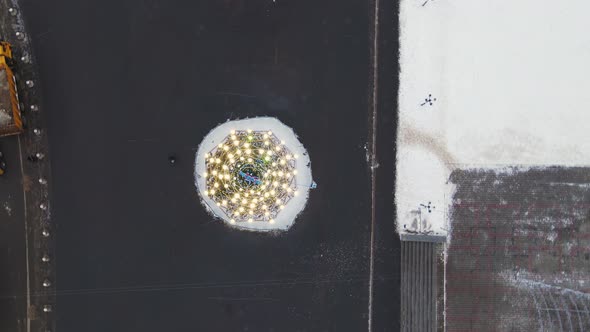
(254, 174)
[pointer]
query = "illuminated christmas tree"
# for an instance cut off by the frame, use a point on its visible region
(250, 176)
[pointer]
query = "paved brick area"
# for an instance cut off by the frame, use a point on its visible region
(519, 251)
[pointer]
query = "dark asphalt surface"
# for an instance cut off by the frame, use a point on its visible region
(126, 83)
(13, 251)
(13, 279)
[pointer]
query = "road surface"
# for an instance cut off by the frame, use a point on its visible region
(12, 241)
(125, 84)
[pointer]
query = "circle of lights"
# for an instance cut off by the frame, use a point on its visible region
(249, 176)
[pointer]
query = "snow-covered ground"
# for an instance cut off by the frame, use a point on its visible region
(509, 83)
(303, 179)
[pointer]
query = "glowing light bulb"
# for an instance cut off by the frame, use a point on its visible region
(242, 158)
(224, 166)
(278, 201)
(265, 194)
(289, 190)
(206, 192)
(226, 176)
(251, 212)
(217, 161)
(269, 132)
(250, 220)
(237, 195)
(244, 201)
(266, 143)
(264, 207)
(216, 185)
(206, 155)
(267, 158)
(295, 171)
(205, 174)
(236, 142)
(224, 203)
(269, 152)
(233, 132)
(212, 160)
(272, 221)
(282, 162)
(283, 142)
(225, 148)
(230, 155)
(252, 205)
(296, 193)
(278, 148)
(274, 164)
(233, 200)
(272, 192)
(225, 185)
(232, 221)
(232, 160)
(246, 145)
(236, 213)
(282, 207)
(265, 136)
(241, 209)
(276, 184)
(267, 213)
(284, 185)
(295, 156)
(261, 151)
(212, 191)
(280, 173)
(249, 131)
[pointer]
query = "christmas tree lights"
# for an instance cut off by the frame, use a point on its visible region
(250, 175)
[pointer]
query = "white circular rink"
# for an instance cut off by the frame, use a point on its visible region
(254, 174)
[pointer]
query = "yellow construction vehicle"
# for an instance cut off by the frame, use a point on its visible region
(10, 117)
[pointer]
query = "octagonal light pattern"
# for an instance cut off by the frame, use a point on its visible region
(251, 176)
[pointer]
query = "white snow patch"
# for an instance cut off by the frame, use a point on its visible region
(545, 221)
(503, 96)
(5, 118)
(8, 208)
(570, 184)
(416, 190)
(523, 279)
(303, 179)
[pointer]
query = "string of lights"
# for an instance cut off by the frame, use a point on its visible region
(250, 175)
